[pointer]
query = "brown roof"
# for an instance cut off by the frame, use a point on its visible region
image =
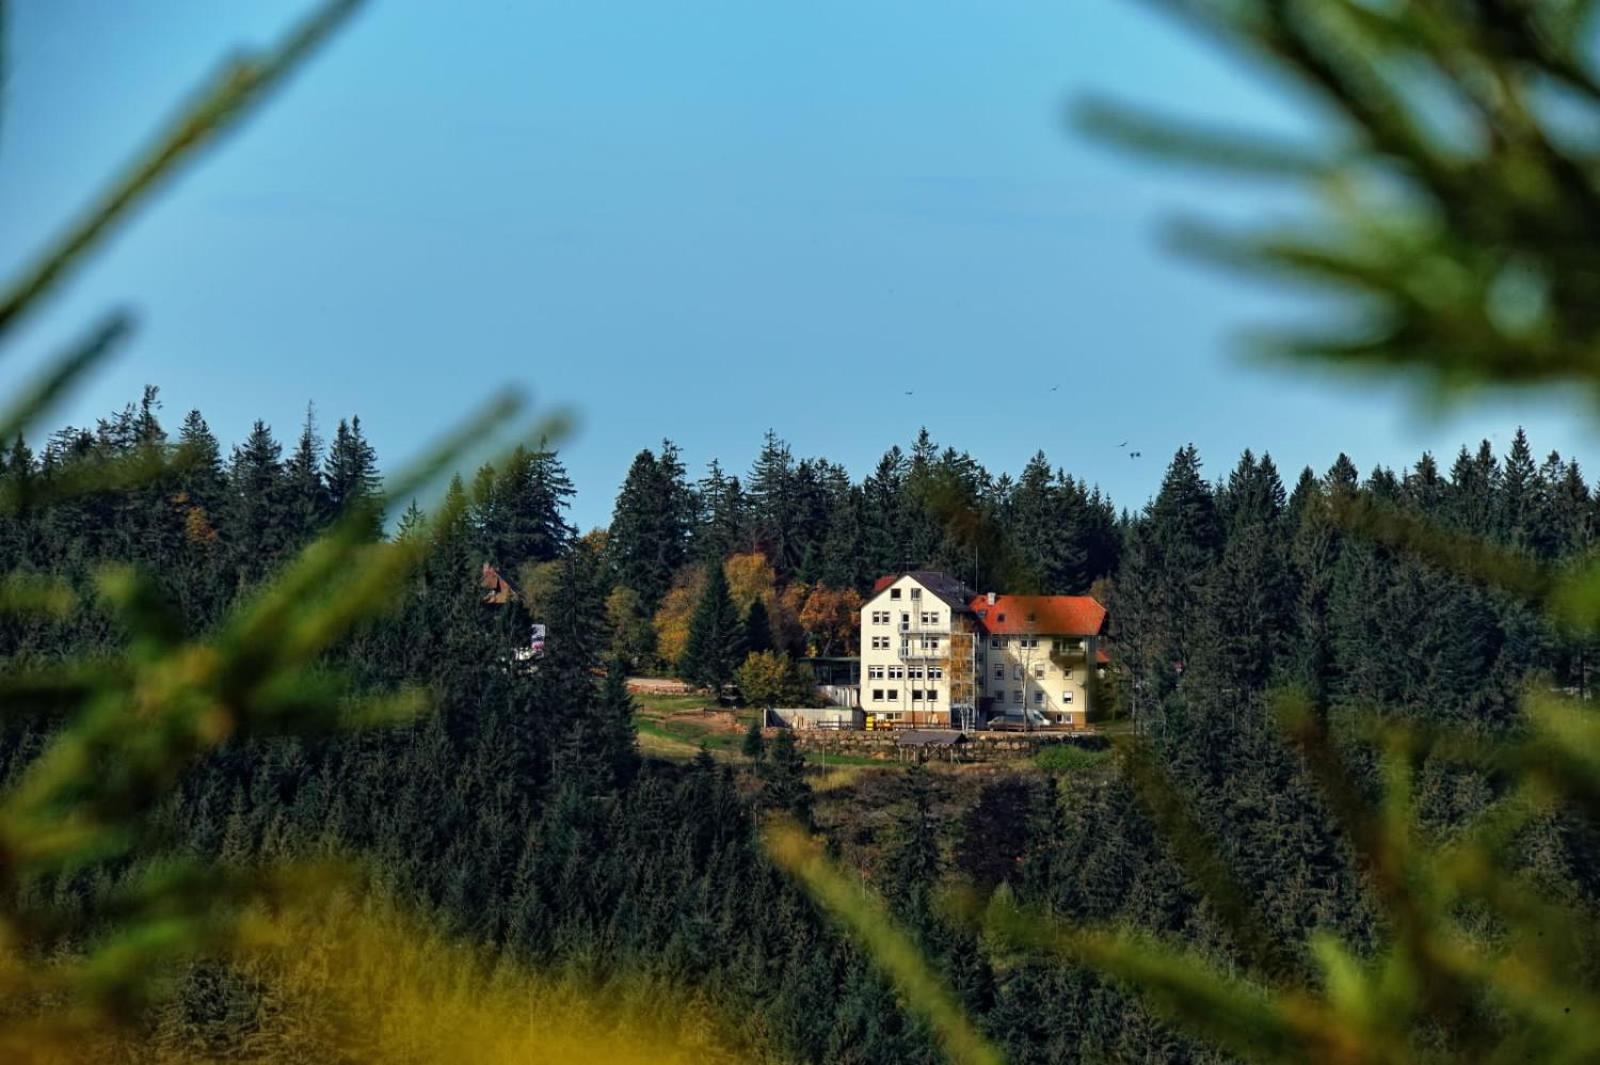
(496, 589)
(1049, 615)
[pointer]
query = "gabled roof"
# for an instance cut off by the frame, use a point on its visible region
(945, 587)
(496, 589)
(1043, 615)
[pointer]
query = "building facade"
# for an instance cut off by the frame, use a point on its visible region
(917, 642)
(1040, 653)
(934, 654)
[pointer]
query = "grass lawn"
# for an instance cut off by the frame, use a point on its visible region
(661, 705)
(1065, 758)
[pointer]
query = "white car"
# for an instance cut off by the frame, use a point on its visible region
(1017, 719)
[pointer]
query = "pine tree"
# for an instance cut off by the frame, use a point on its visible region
(784, 784)
(755, 744)
(772, 506)
(650, 525)
(715, 646)
(757, 629)
(259, 534)
(309, 504)
(351, 475)
(719, 515)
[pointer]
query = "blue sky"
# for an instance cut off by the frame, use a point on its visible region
(695, 220)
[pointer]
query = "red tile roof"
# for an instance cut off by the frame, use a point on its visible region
(1045, 615)
(883, 582)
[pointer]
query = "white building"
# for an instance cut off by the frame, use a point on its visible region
(935, 654)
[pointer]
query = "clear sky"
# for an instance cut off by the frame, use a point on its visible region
(696, 220)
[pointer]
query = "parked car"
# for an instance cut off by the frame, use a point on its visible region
(1017, 719)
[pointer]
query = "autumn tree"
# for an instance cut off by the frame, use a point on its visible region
(831, 618)
(770, 678)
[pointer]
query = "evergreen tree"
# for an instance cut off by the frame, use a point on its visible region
(351, 475)
(784, 784)
(715, 646)
(650, 526)
(720, 516)
(772, 506)
(754, 746)
(310, 506)
(757, 629)
(258, 529)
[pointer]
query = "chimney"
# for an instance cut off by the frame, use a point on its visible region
(991, 599)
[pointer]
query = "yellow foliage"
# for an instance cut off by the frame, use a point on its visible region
(351, 982)
(750, 577)
(677, 607)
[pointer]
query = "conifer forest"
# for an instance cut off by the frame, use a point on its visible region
(310, 753)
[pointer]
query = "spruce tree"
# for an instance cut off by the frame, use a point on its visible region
(258, 530)
(306, 491)
(650, 525)
(351, 475)
(784, 784)
(757, 629)
(715, 644)
(772, 506)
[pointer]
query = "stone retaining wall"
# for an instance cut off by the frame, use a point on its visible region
(979, 746)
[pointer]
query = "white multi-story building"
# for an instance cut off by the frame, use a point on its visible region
(916, 632)
(935, 654)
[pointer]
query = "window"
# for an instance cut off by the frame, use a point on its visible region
(916, 695)
(877, 695)
(1068, 643)
(1038, 671)
(1016, 696)
(994, 642)
(894, 694)
(1066, 697)
(915, 673)
(880, 617)
(874, 672)
(1016, 671)
(930, 617)
(1028, 642)
(1000, 616)
(894, 593)
(999, 672)
(880, 643)
(916, 593)
(1038, 698)
(897, 672)
(935, 672)
(905, 621)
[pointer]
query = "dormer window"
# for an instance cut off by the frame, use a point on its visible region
(999, 617)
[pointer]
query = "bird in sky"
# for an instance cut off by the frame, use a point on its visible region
(1135, 454)
(1123, 444)
(909, 391)
(1055, 388)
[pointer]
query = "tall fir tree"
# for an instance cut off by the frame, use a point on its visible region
(715, 645)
